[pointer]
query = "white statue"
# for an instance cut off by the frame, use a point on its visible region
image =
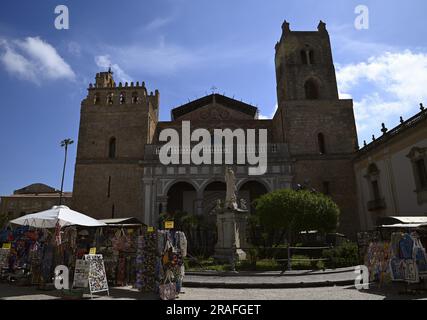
(230, 197)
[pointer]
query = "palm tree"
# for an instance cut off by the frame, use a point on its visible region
(64, 143)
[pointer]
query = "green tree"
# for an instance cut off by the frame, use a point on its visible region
(288, 212)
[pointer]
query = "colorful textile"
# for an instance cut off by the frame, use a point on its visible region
(146, 261)
(378, 261)
(406, 246)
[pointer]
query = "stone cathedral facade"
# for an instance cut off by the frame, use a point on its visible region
(311, 141)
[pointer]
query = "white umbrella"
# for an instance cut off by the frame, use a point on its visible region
(58, 214)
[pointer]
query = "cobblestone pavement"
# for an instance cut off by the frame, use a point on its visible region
(269, 280)
(324, 293)
(8, 292)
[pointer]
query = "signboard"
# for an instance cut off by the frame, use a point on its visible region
(169, 224)
(97, 277)
(4, 257)
(92, 251)
(150, 229)
(7, 246)
(81, 274)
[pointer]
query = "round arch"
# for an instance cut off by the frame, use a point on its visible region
(312, 88)
(250, 190)
(209, 181)
(261, 181)
(182, 197)
(170, 184)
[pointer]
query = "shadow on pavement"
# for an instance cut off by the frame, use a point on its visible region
(396, 291)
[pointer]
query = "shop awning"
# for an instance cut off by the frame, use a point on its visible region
(122, 222)
(405, 225)
(58, 214)
(401, 220)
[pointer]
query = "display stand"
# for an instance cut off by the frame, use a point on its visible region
(97, 277)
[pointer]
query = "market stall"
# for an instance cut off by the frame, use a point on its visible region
(40, 242)
(160, 262)
(98, 253)
(117, 242)
(396, 253)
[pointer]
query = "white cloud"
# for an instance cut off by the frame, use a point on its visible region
(104, 61)
(34, 59)
(387, 86)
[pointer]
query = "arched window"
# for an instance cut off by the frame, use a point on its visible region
(112, 148)
(134, 97)
(96, 98)
(311, 89)
(304, 57)
(321, 143)
(311, 57)
(122, 98)
(110, 98)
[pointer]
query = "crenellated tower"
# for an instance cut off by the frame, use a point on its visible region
(116, 122)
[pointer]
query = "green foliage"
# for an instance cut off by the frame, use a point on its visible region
(344, 255)
(290, 210)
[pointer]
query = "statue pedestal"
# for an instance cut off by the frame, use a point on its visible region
(231, 226)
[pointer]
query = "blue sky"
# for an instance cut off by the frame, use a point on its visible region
(183, 48)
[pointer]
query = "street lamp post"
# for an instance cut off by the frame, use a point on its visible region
(64, 143)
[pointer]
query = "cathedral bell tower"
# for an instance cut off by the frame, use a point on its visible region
(304, 66)
(318, 127)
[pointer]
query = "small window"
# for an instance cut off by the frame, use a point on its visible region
(113, 209)
(422, 173)
(321, 143)
(109, 187)
(112, 148)
(311, 89)
(304, 57)
(326, 187)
